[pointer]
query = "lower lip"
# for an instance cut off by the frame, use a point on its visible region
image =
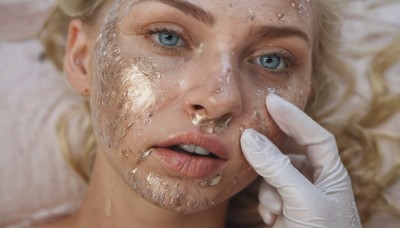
(188, 165)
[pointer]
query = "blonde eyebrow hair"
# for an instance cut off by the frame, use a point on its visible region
(274, 32)
(187, 8)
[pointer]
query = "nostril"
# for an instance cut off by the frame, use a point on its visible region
(197, 107)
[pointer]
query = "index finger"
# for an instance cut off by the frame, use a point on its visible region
(321, 145)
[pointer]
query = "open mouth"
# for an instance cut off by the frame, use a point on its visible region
(193, 150)
(192, 155)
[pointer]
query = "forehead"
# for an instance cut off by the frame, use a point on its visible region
(294, 12)
(299, 9)
(242, 16)
(277, 13)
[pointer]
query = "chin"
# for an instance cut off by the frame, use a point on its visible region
(184, 196)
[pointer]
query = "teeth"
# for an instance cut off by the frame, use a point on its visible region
(187, 148)
(201, 151)
(194, 149)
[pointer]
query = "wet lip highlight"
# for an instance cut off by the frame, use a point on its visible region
(189, 164)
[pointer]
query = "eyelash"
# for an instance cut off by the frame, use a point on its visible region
(167, 49)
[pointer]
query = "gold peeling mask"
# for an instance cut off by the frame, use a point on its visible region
(128, 86)
(211, 126)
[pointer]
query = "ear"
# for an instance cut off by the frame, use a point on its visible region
(77, 58)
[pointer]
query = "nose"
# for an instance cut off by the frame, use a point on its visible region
(213, 87)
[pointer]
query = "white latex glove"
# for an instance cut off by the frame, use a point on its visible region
(327, 201)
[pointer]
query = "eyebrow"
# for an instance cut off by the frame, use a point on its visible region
(188, 9)
(274, 32)
(207, 18)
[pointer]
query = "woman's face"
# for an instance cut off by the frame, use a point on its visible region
(176, 82)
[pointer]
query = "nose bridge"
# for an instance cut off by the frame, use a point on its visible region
(219, 90)
(223, 80)
(220, 72)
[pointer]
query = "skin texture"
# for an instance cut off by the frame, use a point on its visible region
(211, 85)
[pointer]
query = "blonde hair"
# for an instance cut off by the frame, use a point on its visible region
(54, 31)
(53, 37)
(360, 144)
(358, 148)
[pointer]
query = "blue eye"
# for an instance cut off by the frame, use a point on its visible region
(169, 39)
(271, 62)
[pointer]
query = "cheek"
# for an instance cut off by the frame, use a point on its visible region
(124, 87)
(260, 120)
(256, 115)
(123, 98)
(246, 174)
(298, 91)
(241, 182)
(234, 180)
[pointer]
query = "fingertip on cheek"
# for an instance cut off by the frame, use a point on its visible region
(248, 140)
(274, 99)
(278, 107)
(247, 132)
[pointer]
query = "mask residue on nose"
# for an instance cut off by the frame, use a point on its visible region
(197, 119)
(211, 126)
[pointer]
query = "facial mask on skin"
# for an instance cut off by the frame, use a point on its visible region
(128, 82)
(211, 126)
(128, 85)
(129, 92)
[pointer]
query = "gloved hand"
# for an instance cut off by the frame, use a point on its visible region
(325, 201)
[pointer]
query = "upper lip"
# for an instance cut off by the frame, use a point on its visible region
(207, 142)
